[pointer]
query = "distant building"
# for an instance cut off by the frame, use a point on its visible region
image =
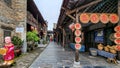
(54, 25)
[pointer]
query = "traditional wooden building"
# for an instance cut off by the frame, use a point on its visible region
(35, 19)
(90, 31)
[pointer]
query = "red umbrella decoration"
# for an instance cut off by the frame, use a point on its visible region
(77, 39)
(117, 28)
(71, 26)
(77, 46)
(113, 18)
(104, 18)
(117, 47)
(77, 26)
(77, 32)
(84, 18)
(94, 18)
(117, 41)
(117, 35)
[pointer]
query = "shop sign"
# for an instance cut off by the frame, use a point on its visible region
(117, 28)
(19, 29)
(77, 46)
(117, 35)
(94, 18)
(77, 32)
(117, 41)
(113, 18)
(77, 26)
(104, 18)
(84, 18)
(77, 39)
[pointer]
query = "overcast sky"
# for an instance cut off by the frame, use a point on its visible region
(50, 10)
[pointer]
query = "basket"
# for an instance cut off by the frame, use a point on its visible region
(100, 47)
(106, 49)
(113, 51)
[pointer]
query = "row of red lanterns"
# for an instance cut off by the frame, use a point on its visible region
(96, 17)
(117, 37)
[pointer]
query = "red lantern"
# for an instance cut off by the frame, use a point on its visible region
(117, 47)
(94, 18)
(117, 41)
(84, 18)
(77, 26)
(77, 39)
(104, 18)
(77, 32)
(71, 26)
(113, 18)
(78, 46)
(117, 28)
(117, 35)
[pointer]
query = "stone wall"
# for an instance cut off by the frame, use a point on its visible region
(11, 17)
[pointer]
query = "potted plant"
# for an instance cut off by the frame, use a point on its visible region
(18, 44)
(31, 39)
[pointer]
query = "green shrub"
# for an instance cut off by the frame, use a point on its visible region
(17, 41)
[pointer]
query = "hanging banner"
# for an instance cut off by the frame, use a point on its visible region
(117, 28)
(84, 18)
(117, 35)
(113, 18)
(77, 32)
(78, 46)
(104, 18)
(77, 39)
(117, 41)
(94, 18)
(77, 26)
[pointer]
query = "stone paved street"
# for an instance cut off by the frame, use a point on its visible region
(54, 56)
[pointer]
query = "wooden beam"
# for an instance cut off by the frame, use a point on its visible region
(71, 16)
(79, 8)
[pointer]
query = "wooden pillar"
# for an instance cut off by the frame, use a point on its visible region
(77, 51)
(63, 37)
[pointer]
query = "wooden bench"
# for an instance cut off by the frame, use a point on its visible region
(110, 56)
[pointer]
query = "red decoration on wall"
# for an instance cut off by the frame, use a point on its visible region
(117, 28)
(113, 18)
(78, 46)
(104, 18)
(117, 41)
(117, 35)
(77, 32)
(94, 18)
(77, 26)
(84, 18)
(77, 39)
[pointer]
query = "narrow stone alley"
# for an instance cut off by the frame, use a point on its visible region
(54, 56)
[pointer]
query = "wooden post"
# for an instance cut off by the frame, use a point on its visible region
(77, 51)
